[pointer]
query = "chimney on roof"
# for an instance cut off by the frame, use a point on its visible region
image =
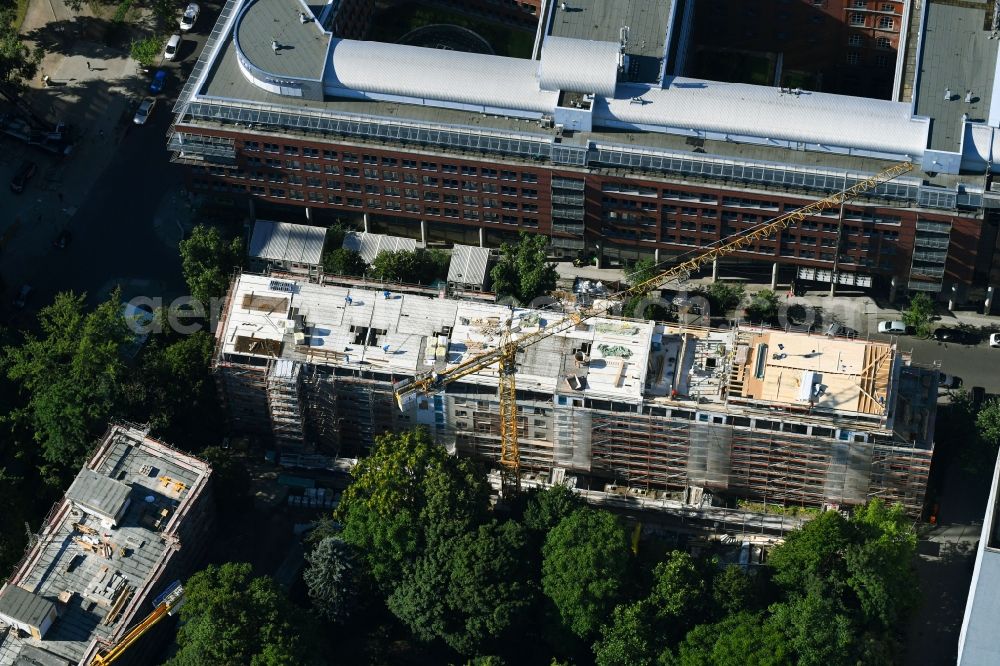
(303, 17)
(275, 46)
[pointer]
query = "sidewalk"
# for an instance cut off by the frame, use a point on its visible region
(92, 88)
(854, 309)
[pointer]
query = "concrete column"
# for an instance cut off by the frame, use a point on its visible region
(715, 270)
(364, 218)
(988, 304)
(482, 236)
(774, 276)
(309, 214)
(656, 255)
(833, 285)
(423, 232)
(953, 294)
(893, 286)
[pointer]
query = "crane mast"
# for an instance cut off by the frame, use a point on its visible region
(505, 354)
(166, 604)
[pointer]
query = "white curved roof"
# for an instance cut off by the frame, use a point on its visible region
(579, 65)
(757, 111)
(980, 146)
(424, 73)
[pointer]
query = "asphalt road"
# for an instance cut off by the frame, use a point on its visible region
(114, 237)
(977, 365)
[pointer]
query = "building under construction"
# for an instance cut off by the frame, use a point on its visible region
(677, 412)
(136, 518)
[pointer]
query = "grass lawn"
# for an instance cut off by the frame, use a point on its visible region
(395, 21)
(735, 67)
(19, 14)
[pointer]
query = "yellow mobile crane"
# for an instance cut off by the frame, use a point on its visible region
(505, 354)
(166, 604)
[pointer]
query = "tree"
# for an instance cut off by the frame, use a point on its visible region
(817, 629)
(344, 262)
(723, 296)
(469, 589)
(763, 306)
(745, 639)
(176, 388)
(988, 427)
(640, 305)
(230, 479)
(411, 266)
(880, 564)
(208, 260)
(334, 579)
(522, 271)
(18, 63)
(732, 590)
(864, 564)
(72, 375)
(813, 555)
(146, 51)
(584, 561)
(230, 617)
(545, 508)
(679, 592)
(919, 313)
(629, 638)
(406, 492)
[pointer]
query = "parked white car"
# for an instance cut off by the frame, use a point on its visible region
(172, 45)
(190, 16)
(893, 327)
(994, 339)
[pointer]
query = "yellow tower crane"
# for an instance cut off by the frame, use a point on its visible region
(166, 604)
(504, 355)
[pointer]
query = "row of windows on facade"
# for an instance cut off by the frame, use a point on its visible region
(859, 256)
(390, 176)
(880, 60)
(333, 155)
(390, 190)
(741, 203)
(368, 203)
(859, 20)
(886, 236)
(880, 42)
(620, 206)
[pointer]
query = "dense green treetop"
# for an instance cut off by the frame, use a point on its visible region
(334, 578)
(208, 261)
(72, 375)
(469, 590)
(231, 617)
(408, 490)
(919, 312)
(584, 562)
(411, 266)
(523, 271)
(744, 639)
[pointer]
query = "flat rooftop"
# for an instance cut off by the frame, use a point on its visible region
(600, 20)
(830, 374)
(301, 45)
(605, 357)
(100, 595)
(497, 96)
(959, 55)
